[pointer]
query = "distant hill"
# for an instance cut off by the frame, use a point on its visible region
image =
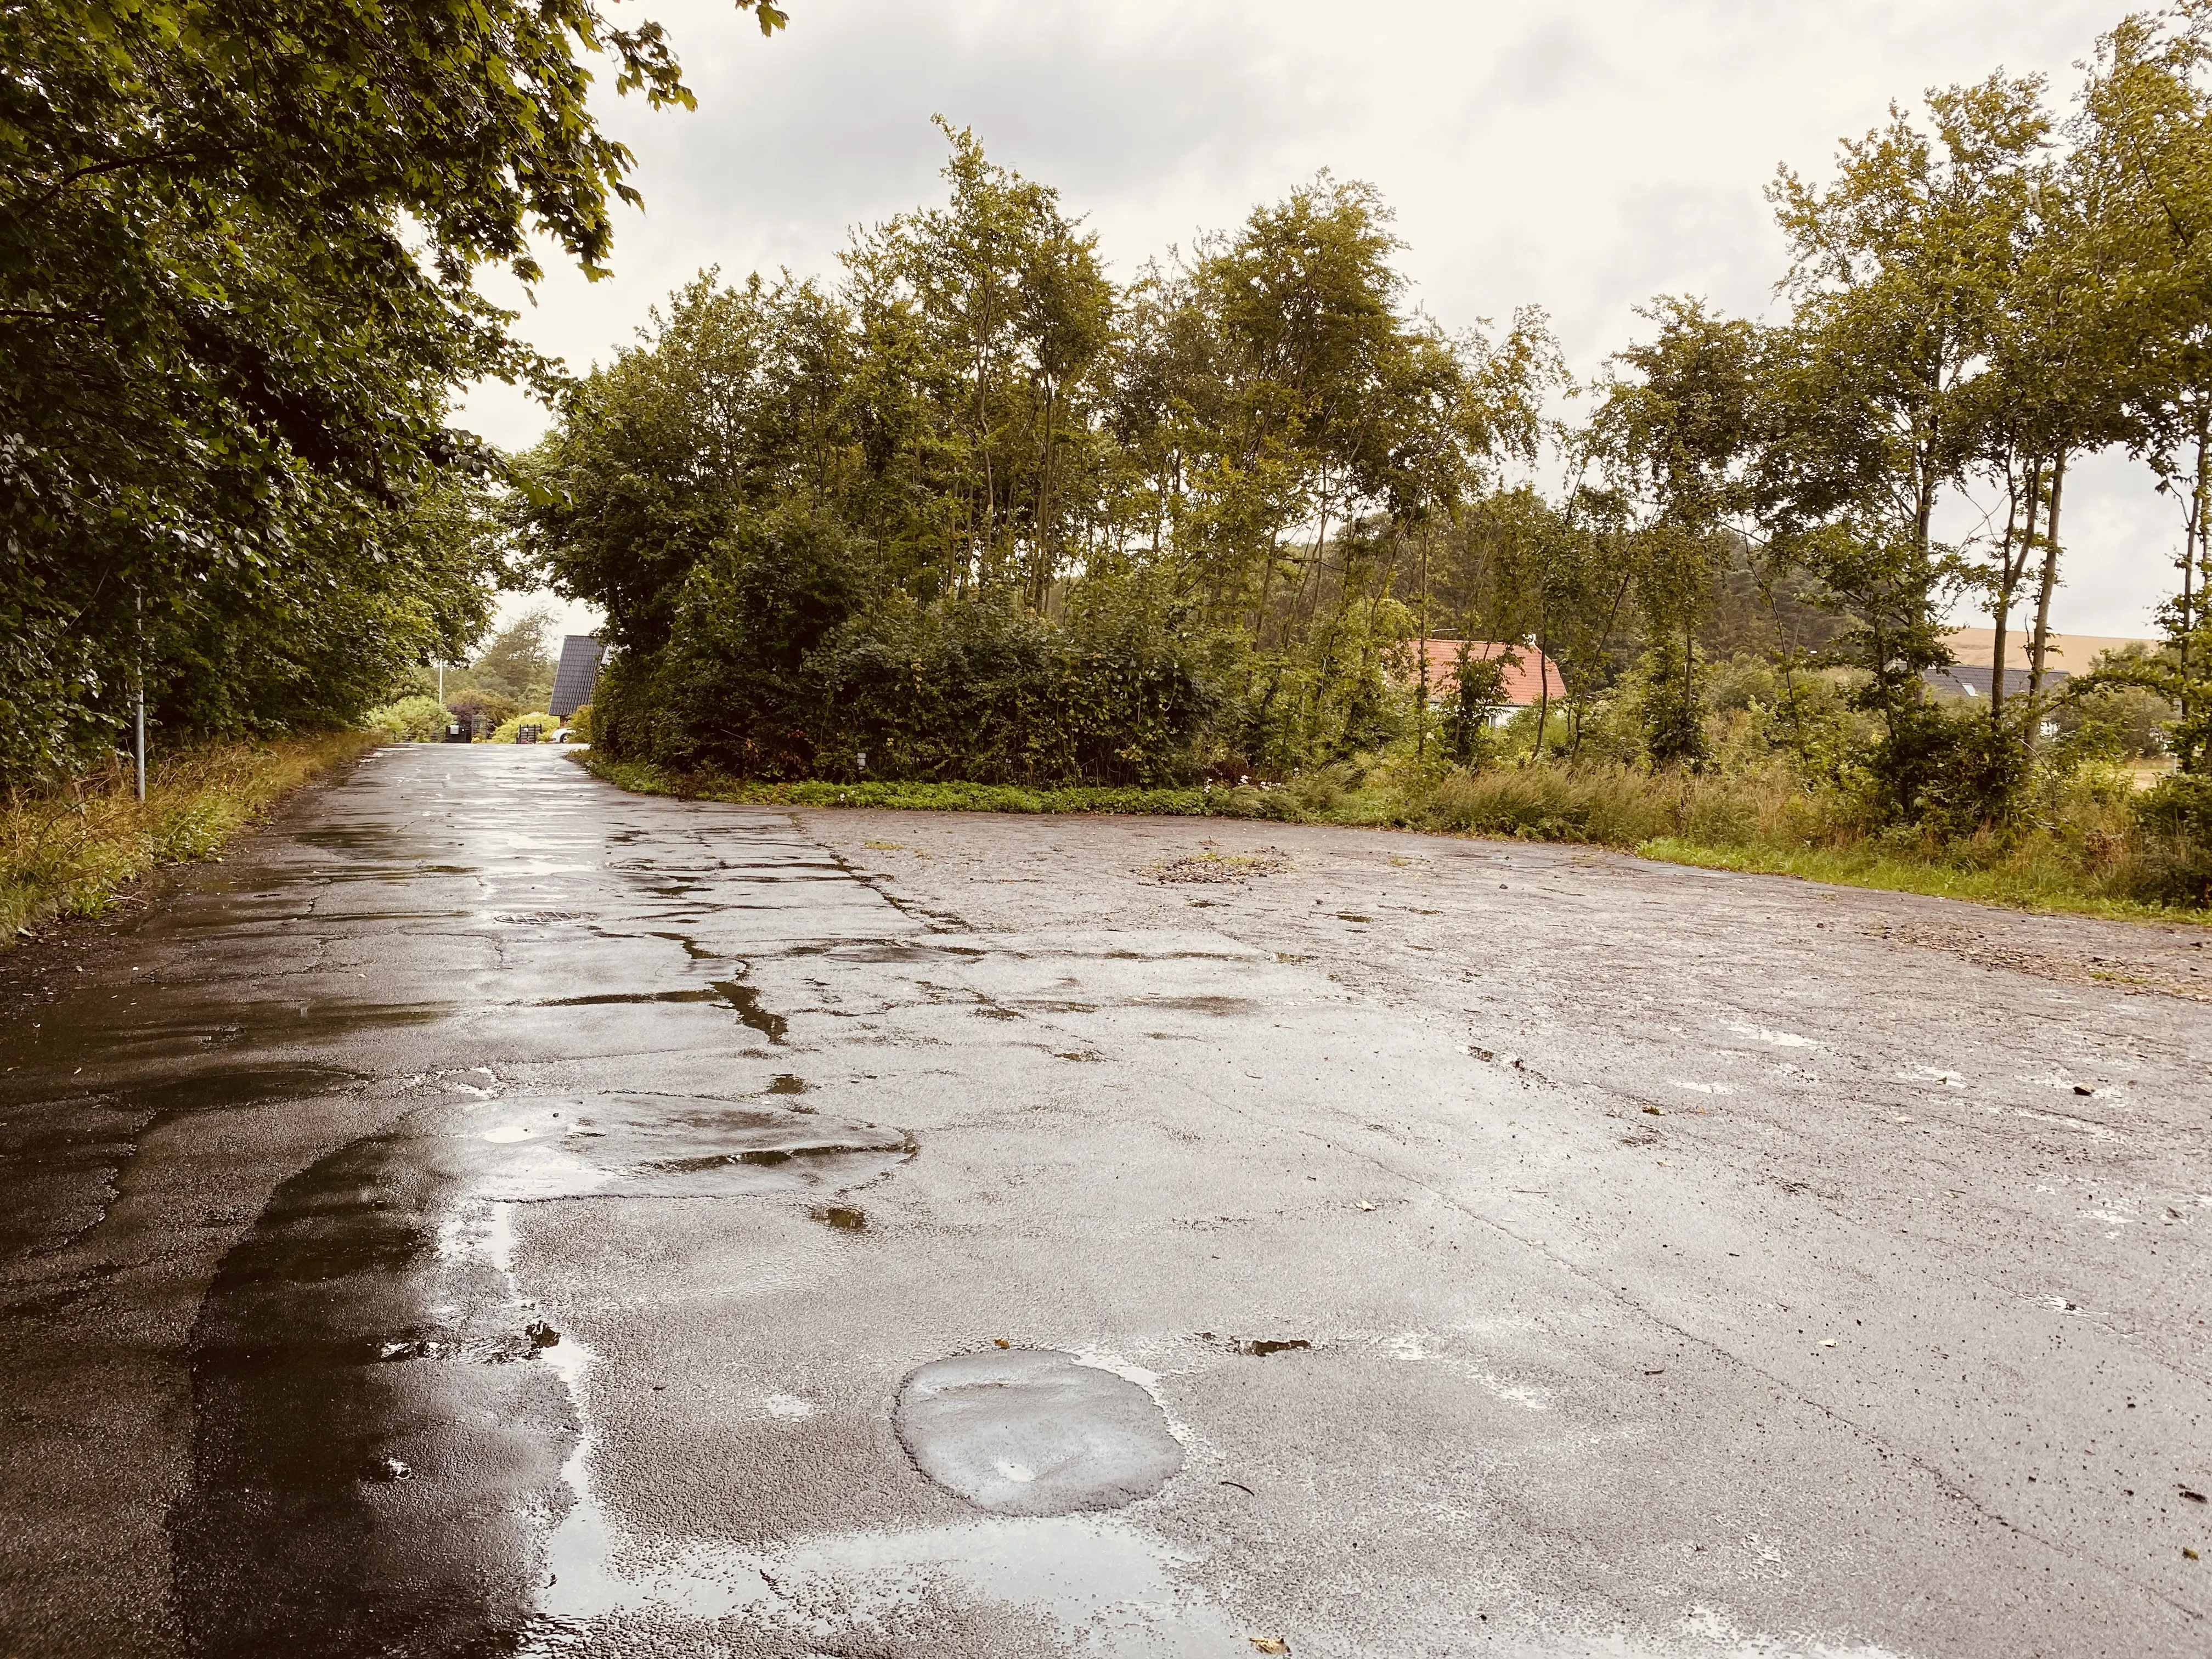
(1976, 647)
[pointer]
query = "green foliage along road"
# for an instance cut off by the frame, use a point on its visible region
(975, 512)
(237, 243)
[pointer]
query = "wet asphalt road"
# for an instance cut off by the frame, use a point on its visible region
(494, 1214)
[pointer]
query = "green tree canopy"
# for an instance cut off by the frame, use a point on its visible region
(237, 250)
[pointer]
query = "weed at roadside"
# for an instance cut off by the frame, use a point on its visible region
(70, 853)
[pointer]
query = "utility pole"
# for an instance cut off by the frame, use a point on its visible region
(139, 747)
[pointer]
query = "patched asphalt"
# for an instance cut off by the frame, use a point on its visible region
(490, 1213)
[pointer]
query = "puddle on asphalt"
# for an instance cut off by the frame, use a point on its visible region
(287, 1537)
(1106, 1584)
(692, 948)
(173, 1026)
(746, 1000)
(1033, 1432)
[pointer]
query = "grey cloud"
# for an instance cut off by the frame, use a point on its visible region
(1716, 242)
(828, 125)
(1558, 58)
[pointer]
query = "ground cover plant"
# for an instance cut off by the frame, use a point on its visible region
(74, 852)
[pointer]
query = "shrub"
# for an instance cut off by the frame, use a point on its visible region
(775, 670)
(491, 709)
(2171, 861)
(1608, 804)
(410, 720)
(511, 731)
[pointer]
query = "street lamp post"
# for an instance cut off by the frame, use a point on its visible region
(138, 742)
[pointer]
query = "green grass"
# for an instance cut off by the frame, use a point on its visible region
(1762, 823)
(73, 852)
(2026, 886)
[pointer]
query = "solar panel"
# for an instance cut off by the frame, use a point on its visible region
(580, 654)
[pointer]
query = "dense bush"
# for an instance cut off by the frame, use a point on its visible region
(511, 731)
(483, 710)
(410, 720)
(2173, 854)
(785, 661)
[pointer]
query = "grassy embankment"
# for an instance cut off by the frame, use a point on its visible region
(71, 853)
(2085, 858)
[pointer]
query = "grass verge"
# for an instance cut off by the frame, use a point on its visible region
(1762, 823)
(71, 853)
(2024, 886)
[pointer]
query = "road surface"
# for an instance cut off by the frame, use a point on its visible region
(493, 1214)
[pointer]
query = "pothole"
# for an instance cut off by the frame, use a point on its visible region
(1033, 1431)
(1219, 867)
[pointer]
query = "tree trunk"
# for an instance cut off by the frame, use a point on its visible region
(1543, 686)
(2003, 609)
(2049, 579)
(2192, 551)
(1421, 708)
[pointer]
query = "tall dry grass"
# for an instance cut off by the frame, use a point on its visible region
(2075, 844)
(1612, 806)
(70, 852)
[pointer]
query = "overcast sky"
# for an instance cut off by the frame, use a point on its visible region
(1582, 155)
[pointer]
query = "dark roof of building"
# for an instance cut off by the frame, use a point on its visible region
(1972, 679)
(581, 656)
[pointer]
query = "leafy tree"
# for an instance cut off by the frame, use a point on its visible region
(992, 318)
(236, 249)
(519, 662)
(1674, 441)
(2145, 172)
(1899, 274)
(731, 400)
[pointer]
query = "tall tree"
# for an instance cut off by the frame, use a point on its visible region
(2145, 159)
(1899, 272)
(1675, 435)
(998, 306)
(236, 249)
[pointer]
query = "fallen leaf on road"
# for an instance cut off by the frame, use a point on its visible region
(1271, 1644)
(1002, 1341)
(1654, 1111)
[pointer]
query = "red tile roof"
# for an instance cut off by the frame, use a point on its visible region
(1522, 687)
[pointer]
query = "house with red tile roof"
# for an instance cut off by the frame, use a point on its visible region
(1529, 673)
